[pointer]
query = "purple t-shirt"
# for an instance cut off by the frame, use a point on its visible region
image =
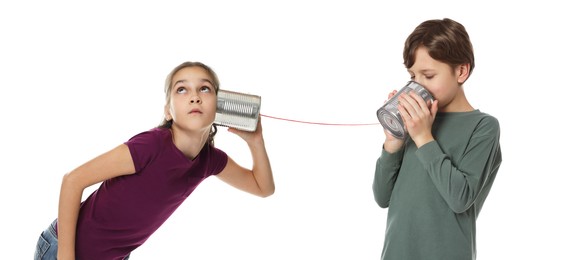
(125, 211)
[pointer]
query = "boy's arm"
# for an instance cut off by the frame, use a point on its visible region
(463, 184)
(386, 171)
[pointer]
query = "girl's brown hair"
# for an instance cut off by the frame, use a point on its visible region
(446, 40)
(168, 90)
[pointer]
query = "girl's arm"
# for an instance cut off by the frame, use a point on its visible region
(113, 163)
(259, 180)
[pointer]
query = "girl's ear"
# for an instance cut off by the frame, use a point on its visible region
(167, 113)
(462, 72)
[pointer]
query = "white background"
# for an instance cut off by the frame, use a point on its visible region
(79, 78)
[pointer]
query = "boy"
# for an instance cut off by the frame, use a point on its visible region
(435, 181)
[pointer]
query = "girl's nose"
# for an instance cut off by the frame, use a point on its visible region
(195, 99)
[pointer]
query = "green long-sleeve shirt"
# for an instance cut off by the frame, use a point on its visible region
(434, 194)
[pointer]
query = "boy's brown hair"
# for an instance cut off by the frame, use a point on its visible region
(446, 41)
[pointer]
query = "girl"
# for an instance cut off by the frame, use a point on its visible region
(147, 178)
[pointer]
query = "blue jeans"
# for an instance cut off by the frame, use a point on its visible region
(48, 244)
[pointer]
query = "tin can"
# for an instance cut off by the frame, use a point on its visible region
(389, 116)
(237, 110)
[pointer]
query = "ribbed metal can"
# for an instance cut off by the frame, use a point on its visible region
(237, 110)
(389, 116)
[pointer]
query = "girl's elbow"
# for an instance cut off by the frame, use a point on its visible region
(70, 180)
(267, 193)
(67, 179)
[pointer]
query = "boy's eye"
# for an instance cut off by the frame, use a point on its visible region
(429, 76)
(205, 89)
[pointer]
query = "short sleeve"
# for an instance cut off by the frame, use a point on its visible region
(218, 160)
(144, 147)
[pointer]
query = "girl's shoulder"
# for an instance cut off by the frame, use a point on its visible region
(148, 145)
(152, 139)
(156, 133)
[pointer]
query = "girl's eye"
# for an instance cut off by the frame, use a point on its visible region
(181, 90)
(205, 89)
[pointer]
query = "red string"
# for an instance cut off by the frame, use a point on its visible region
(317, 123)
